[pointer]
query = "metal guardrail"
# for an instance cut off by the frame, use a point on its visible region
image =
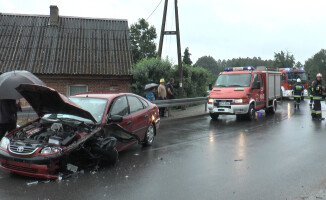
(29, 112)
(180, 102)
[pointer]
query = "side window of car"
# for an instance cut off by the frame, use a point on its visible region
(120, 107)
(261, 81)
(255, 80)
(135, 104)
(145, 104)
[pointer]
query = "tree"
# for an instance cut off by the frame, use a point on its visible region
(282, 60)
(142, 38)
(186, 57)
(298, 64)
(209, 63)
(316, 64)
(149, 70)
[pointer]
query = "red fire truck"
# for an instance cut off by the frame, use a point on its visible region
(241, 91)
(289, 77)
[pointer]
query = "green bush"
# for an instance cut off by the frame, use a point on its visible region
(195, 80)
(149, 70)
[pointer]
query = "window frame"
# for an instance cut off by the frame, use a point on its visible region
(77, 85)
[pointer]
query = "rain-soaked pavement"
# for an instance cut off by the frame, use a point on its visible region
(279, 156)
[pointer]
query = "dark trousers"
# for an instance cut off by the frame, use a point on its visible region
(316, 111)
(297, 100)
(161, 110)
(311, 100)
(6, 127)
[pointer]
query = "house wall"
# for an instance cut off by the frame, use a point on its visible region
(94, 83)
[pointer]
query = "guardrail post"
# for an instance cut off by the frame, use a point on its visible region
(169, 112)
(205, 107)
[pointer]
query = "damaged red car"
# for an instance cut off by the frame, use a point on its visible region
(96, 126)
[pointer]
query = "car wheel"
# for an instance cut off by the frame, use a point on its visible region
(149, 136)
(273, 109)
(213, 115)
(251, 112)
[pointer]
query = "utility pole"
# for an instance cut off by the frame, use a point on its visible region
(177, 33)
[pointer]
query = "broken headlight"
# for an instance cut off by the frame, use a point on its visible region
(47, 150)
(4, 143)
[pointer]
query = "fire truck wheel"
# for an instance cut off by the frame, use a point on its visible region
(251, 112)
(273, 109)
(213, 115)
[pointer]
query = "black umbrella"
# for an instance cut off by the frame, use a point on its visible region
(10, 80)
(150, 85)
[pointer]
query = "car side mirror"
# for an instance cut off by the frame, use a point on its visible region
(115, 118)
(210, 86)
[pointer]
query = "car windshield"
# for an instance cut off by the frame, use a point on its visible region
(233, 80)
(93, 105)
(293, 76)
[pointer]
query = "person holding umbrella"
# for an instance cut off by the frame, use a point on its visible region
(9, 81)
(8, 115)
(150, 88)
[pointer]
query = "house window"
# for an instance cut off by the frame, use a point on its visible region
(74, 89)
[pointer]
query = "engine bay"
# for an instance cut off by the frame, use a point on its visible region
(61, 132)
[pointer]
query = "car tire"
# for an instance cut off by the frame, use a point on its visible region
(213, 115)
(149, 136)
(251, 112)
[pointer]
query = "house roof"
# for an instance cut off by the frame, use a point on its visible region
(75, 45)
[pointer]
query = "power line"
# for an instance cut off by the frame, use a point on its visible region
(154, 10)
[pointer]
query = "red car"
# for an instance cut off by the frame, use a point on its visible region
(94, 125)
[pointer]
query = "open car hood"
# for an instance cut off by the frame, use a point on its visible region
(45, 100)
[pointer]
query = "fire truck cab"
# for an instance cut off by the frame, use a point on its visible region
(242, 91)
(289, 77)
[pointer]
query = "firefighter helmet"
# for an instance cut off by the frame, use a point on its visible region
(298, 80)
(319, 75)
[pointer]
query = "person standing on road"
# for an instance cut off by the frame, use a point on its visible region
(161, 90)
(317, 89)
(297, 92)
(8, 115)
(169, 89)
(311, 95)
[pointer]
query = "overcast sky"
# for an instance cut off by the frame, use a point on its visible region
(220, 28)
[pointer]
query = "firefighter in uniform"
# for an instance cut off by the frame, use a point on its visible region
(317, 90)
(311, 95)
(297, 92)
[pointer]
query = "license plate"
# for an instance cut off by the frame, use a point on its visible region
(220, 110)
(224, 103)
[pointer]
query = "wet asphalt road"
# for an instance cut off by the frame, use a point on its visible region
(277, 156)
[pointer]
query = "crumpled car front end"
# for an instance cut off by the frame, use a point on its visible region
(40, 148)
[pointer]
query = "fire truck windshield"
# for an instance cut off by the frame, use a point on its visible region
(293, 76)
(233, 80)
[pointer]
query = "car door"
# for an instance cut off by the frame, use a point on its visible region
(256, 90)
(120, 107)
(262, 100)
(139, 116)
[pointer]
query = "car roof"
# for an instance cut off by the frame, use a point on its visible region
(101, 95)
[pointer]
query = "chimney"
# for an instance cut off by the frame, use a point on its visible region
(54, 15)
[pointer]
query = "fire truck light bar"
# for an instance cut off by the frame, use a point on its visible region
(230, 69)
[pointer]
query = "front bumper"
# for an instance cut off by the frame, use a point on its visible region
(228, 110)
(38, 167)
(26, 169)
